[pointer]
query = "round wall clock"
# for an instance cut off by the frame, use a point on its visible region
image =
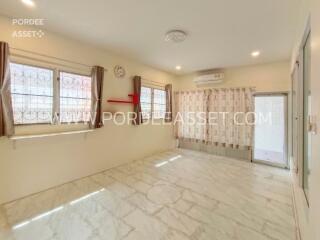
(119, 71)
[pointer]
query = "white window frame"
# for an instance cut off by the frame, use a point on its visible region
(158, 104)
(150, 114)
(152, 103)
(56, 90)
(53, 92)
(59, 71)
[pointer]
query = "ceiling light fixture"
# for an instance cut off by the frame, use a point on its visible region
(175, 36)
(255, 54)
(29, 3)
(178, 68)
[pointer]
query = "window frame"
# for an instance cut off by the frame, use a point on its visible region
(56, 91)
(53, 89)
(165, 103)
(152, 102)
(59, 71)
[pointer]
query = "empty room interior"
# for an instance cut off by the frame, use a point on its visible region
(160, 120)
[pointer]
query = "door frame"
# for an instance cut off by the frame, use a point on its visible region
(304, 119)
(285, 150)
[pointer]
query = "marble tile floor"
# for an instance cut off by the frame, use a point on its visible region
(270, 156)
(175, 195)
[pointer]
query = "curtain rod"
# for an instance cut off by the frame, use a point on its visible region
(218, 88)
(48, 56)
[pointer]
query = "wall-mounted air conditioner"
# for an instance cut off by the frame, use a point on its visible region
(209, 78)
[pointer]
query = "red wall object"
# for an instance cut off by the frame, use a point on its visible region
(135, 100)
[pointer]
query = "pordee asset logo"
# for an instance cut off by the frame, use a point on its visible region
(27, 33)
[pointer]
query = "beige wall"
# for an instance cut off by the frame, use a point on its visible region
(309, 217)
(29, 166)
(268, 77)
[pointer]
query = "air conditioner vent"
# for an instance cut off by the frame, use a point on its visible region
(209, 78)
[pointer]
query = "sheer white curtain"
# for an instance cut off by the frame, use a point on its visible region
(227, 113)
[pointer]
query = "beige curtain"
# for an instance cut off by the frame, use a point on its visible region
(97, 92)
(230, 117)
(137, 108)
(190, 119)
(6, 111)
(168, 89)
(223, 116)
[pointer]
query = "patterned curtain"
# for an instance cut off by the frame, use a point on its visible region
(230, 117)
(190, 119)
(227, 113)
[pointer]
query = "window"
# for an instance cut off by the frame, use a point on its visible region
(159, 103)
(153, 103)
(146, 102)
(75, 97)
(32, 94)
(38, 96)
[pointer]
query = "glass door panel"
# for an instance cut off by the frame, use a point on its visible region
(270, 138)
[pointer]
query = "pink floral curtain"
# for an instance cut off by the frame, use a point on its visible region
(226, 117)
(190, 119)
(231, 120)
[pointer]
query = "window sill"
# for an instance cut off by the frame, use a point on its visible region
(21, 137)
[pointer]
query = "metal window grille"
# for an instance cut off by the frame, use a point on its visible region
(32, 94)
(153, 103)
(146, 102)
(75, 97)
(159, 103)
(38, 97)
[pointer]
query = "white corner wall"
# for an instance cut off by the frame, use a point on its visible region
(33, 165)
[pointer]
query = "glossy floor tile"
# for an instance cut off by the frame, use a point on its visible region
(175, 195)
(271, 157)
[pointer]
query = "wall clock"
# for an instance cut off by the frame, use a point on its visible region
(119, 71)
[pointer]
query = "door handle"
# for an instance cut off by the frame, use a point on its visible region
(309, 127)
(312, 124)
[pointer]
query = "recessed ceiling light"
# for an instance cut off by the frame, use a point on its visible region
(29, 3)
(178, 68)
(255, 54)
(175, 36)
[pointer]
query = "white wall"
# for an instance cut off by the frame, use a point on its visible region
(30, 166)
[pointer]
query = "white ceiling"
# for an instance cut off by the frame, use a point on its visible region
(222, 33)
